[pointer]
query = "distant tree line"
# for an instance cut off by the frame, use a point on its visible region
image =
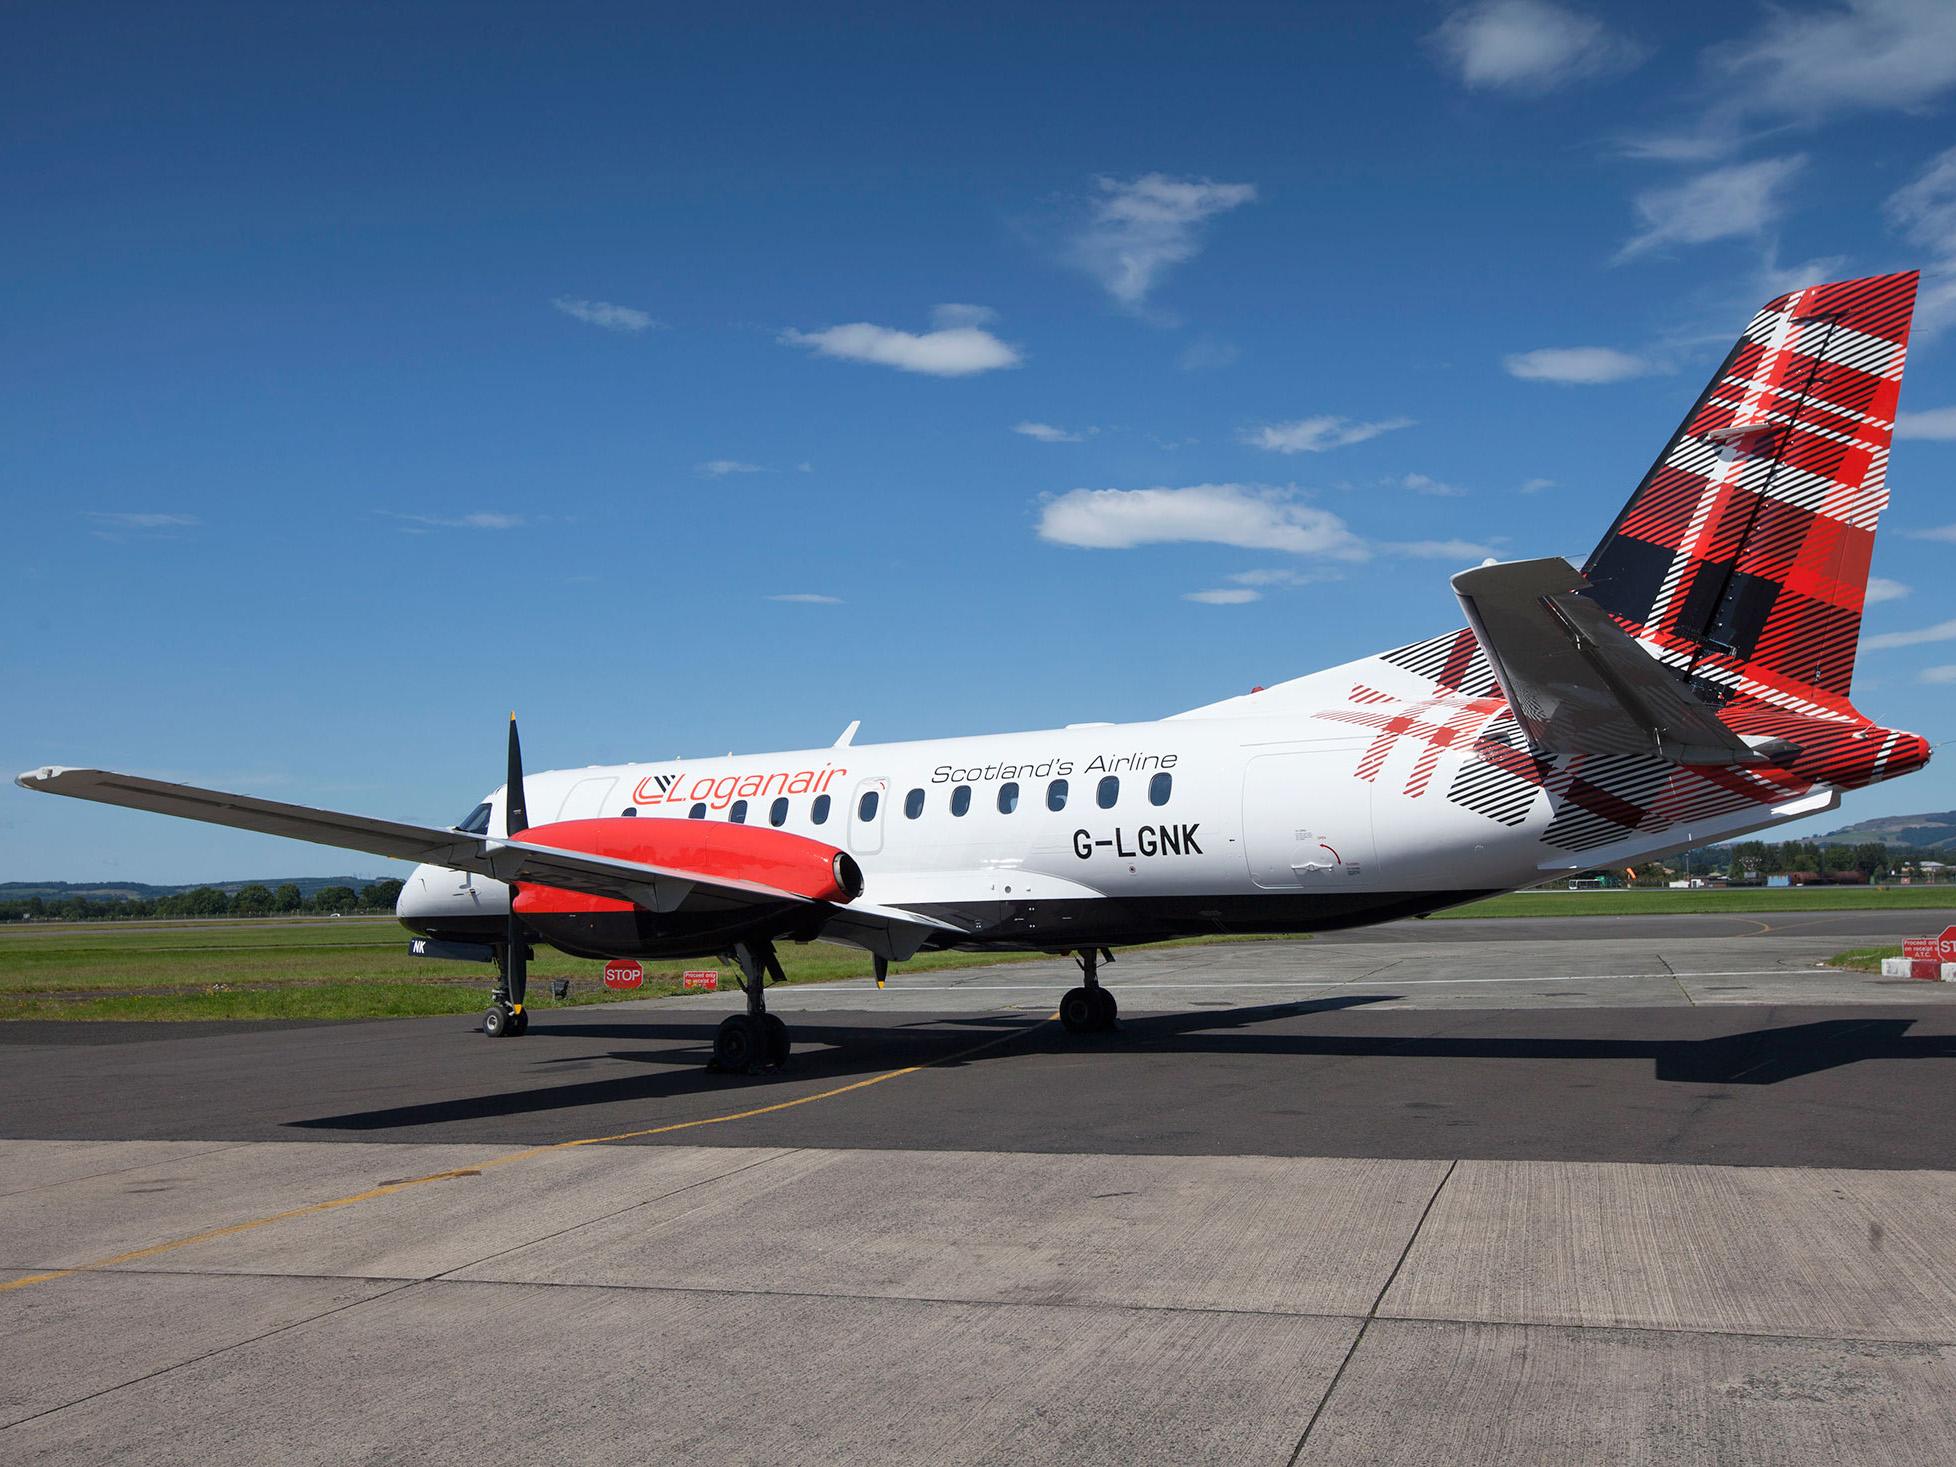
(1755, 860)
(207, 901)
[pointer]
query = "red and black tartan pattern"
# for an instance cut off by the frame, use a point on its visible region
(1741, 560)
(1743, 556)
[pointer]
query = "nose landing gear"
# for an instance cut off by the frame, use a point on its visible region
(1089, 1008)
(506, 1017)
(756, 1040)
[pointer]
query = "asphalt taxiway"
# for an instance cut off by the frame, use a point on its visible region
(1644, 1190)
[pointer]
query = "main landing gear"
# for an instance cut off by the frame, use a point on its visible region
(1090, 1007)
(756, 1040)
(507, 1018)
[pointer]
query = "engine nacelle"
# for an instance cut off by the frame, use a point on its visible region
(709, 849)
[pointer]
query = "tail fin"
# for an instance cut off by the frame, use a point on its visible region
(1742, 558)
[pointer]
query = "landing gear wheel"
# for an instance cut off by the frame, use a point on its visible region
(1105, 1007)
(1079, 1012)
(519, 1024)
(736, 1046)
(777, 1041)
(495, 1023)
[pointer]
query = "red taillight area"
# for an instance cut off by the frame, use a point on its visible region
(710, 850)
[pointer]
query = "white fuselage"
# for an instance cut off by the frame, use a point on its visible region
(1225, 819)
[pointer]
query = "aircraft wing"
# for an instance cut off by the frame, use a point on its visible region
(658, 888)
(1577, 682)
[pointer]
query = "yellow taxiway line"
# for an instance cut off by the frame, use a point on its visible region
(388, 1189)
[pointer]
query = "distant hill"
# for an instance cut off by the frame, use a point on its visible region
(1929, 832)
(20, 891)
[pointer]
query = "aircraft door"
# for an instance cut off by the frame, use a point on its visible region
(866, 810)
(586, 800)
(1304, 826)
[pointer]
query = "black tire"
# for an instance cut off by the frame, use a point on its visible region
(1079, 1012)
(1107, 1006)
(734, 1047)
(495, 1023)
(519, 1024)
(777, 1041)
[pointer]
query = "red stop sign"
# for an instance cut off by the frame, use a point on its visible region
(623, 973)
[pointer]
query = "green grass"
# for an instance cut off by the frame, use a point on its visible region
(346, 969)
(1863, 959)
(1631, 902)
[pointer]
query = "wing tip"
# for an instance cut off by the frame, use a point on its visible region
(34, 779)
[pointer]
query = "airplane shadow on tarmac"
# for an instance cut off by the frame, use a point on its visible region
(841, 1052)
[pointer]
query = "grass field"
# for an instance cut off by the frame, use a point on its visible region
(1863, 959)
(318, 968)
(1630, 902)
(358, 967)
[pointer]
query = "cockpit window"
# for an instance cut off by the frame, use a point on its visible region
(477, 822)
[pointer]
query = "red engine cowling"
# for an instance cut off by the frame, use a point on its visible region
(709, 849)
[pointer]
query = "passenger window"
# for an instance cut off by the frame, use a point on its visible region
(628, 813)
(1056, 795)
(778, 811)
(819, 813)
(866, 806)
(1109, 791)
(476, 822)
(1008, 798)
(961, 799)
(698, 812)
(738, 814)
(913, 804)
(1158, 788)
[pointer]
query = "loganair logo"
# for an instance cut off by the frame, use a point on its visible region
(719, 791)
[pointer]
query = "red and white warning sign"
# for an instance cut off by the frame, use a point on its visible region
(623, 973)
(1924, 957)
(705, 979)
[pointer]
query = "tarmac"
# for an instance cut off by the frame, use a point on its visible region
(1638, 1190)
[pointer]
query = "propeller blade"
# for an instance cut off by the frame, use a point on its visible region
(517, 807)
(517, 972)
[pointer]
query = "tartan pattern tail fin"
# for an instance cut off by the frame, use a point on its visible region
(1742, 558)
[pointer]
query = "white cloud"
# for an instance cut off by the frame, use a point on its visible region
(605, 314)
(1809, 64)
(1250, 516)
(807, 598)
(1938, 424)
(804, 468)
(1530, 46)
(1944, 533)
(1924, 210)
(1141, 228)
(1208, 354)
(483, 520)
(1315, 435)
(1881, 54)
(1944, 673)
(1282, 577)
(952, 314)
(1942, 631)
(1585, 366)
(1536, 486)
(957, 347)
(1724, 203)
(1236, 597)
(1427, 484)
(719, 468)
(1880, 589)
(1047, 433)
(1460, 550)
(139, 520)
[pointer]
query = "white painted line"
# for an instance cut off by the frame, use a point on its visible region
(897, 985)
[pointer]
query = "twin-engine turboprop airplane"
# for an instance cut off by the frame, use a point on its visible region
(1690, 684)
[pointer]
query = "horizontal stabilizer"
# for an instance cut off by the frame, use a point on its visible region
(1577, 682)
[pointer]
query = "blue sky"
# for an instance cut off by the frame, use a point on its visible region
(366, 372)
